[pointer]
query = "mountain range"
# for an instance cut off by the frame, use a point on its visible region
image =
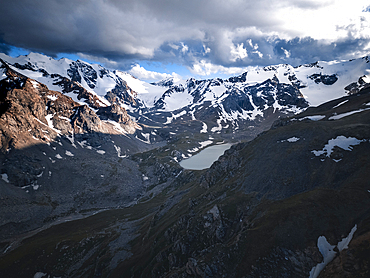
(91, 185)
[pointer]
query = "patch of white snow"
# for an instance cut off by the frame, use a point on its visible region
(313, 118)
(35, 84)
(39, 275)
(343, 102)
(118, 150)
(204, 128)
(146, 136)
(205, 143)
(343, 244)
(215, 212)
(53, 98)
(328, 252)
(71, 138)
(341, 142)
(3, 74)
(217, 128)
(5, 177)
(337, 117)
(293, 139)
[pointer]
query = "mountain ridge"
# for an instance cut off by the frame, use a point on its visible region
(91, 185)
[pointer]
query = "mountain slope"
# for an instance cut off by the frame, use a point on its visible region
(261, 208)
(91, 186)
(266, 208)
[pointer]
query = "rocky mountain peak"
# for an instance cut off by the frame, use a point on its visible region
(240, 78)
(30, 112)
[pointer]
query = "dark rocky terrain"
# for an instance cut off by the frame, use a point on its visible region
(58, 157)
(260, 209)
(87, 192)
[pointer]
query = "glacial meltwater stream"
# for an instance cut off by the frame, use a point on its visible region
(205, 158)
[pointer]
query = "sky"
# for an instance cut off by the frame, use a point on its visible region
(202, 38)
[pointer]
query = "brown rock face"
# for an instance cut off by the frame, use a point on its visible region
(86, 120)
(115, 113)
(30, 112)
(23, 110)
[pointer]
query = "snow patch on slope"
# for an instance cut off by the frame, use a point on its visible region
(313, 118)
(340, 116)
(328, 252)
(3, 73)
(204, 128)
(5, 177)
(146, 92)
(341, 142)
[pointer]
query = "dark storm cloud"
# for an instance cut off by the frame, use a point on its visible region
(228, 33)
(302, 50)
(4, 47)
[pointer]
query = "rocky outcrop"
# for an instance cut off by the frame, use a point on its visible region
(70, 86)
(85, 120)
(123, 94)
(23, 110)
(115, 113)
(88, 73)
(58, 157)
(356, 87)
(324, 79)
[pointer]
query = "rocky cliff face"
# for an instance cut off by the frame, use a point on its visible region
(31, 112)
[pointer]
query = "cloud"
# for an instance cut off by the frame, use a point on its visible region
(238, 52)
(4, 48)
(286, 52)
(229, 34)
(204, 68)
(303, 49)
(113, 64)
(143, 74)
(184, 48)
